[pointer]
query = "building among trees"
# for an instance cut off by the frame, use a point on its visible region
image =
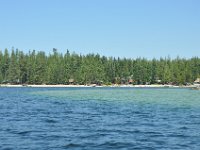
(17, 67)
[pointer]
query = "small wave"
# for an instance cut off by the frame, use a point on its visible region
(179, 136)
(183, 128)
(7, 148)
(115, 145)
(72, 145)
(50, 121)
(24, 132)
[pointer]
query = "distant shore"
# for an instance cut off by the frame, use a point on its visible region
(93, 85)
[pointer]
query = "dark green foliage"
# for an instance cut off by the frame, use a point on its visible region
(55, 68)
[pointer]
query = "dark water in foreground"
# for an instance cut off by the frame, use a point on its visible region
(99, 118)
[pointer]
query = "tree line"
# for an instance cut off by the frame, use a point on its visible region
(17, 67)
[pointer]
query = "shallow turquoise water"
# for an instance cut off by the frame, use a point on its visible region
(99, 118)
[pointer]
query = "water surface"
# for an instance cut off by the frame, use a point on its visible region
(99, 118)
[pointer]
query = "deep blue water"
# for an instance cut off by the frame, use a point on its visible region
(99, 118)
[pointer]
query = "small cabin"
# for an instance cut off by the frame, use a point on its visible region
(130, 81)
(71, 81)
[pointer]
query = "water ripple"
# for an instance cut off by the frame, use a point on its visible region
(99, 118)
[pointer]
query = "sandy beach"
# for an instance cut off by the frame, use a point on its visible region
(114, 85)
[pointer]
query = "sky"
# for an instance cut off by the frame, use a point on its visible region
(118, 28)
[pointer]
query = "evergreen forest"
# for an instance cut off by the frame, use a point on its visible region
(17, 67)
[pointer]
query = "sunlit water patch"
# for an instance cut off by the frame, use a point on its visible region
(162, 96)
(99, 118)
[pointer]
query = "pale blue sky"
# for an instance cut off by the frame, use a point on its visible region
(125, 28)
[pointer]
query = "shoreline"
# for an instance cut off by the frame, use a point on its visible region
(114, 85)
